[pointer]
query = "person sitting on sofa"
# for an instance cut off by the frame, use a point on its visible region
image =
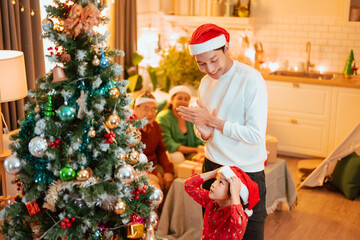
(163, 173)
(178, 134)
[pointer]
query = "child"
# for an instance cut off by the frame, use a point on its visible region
(224, 216)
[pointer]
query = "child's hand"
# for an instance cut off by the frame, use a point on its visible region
(235, 187)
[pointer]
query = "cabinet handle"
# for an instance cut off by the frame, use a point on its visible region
(295, 85)
(294, 121)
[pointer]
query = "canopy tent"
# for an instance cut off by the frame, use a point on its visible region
(325, 169)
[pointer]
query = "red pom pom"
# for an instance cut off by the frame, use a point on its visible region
(66, 220)
(137, 197)
(144, 187)
(143, 191)
(57, 141)
(73, 219)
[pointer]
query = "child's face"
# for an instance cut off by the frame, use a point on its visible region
(219, 190)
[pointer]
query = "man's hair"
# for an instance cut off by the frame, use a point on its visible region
(220, 48)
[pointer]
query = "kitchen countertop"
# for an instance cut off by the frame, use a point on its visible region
(339, 80)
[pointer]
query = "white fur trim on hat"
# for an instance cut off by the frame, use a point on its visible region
(177, 89)
(141, 100)
(209, 45)
(244, 191)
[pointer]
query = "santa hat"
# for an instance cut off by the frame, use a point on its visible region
(249, 192)
(144, 97)
(208, 37)
(177, 89)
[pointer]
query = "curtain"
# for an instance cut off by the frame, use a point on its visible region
(125, 30)
(22, 32)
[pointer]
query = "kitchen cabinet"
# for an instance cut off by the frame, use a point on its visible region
(345, 114)
(311, 119)
(299, 117)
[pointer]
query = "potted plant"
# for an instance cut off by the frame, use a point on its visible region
(177, 67)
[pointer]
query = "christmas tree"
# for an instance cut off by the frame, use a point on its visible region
(347, 69)
(77, 158)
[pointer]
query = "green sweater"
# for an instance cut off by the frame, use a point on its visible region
(171, 133)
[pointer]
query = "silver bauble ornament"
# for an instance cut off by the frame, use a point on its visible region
(47, 25)
(12, 164)
(150, 233)
(143, 158)
(156, 197)
(66, 113)
(126, 174)
(37, 146)
(153, 219)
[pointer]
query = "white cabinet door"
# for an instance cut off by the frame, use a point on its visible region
(345, 114)
(299, 116)
(299, 136)
(301, 100)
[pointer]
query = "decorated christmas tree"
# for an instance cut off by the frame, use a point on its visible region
(77, 158)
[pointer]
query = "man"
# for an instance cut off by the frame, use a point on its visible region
(145, 107)
(231, 114)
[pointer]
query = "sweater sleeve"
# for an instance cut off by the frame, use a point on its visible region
(166, 126)
(192, 186)
(162, 157)
(254, 129)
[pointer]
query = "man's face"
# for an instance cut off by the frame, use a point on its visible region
(214, 63)
(146, 110)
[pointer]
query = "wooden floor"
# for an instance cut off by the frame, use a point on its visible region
(321, 214)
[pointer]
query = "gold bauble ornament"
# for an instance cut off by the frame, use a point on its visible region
(134, 157)
(83, 174)
(120, 207)
(114, 93)
(135, 136)
(112, 121)
(96, 61)
(37, 109)
(92, 132)
(122, 156)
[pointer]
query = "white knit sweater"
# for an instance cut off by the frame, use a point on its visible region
(239, 97)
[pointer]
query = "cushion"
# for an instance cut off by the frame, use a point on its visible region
(346, 176)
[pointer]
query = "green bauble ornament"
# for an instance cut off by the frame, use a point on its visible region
(49, 110)
(66, 113)
(67, 173)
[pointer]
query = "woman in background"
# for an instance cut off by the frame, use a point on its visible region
(178, 134)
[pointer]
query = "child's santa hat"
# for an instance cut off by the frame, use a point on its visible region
(249, 192)
(208, 37)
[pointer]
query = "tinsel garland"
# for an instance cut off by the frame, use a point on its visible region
(52, 194)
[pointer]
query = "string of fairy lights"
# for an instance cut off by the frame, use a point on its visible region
(22, 7)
